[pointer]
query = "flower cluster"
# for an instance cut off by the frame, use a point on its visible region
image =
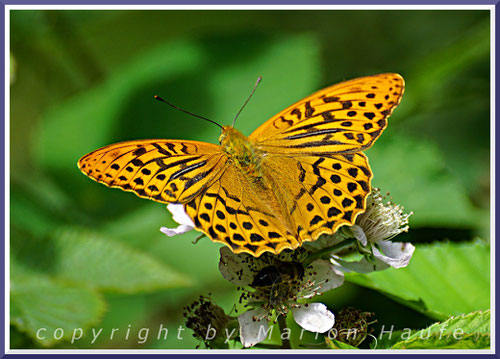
(272, 286)
(275, 285)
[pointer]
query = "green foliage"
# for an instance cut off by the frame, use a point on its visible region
(442, 279)
(107, 264)
(40, 304)
(433, 189)
(335, 344)
(86, 122)
(468, 331)
(83, 255)
(387, 340)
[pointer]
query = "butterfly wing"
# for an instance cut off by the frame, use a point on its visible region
(161, 170)
(243, 215)
(313, 152)
(324, 192)
(343, 118)
(314, 177)
(222, 202)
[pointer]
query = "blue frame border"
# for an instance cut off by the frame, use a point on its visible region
(221, 2)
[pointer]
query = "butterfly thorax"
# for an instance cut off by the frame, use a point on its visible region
(240, 151)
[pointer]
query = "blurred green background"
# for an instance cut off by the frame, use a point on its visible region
(86, 256)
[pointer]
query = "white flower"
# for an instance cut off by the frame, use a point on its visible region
(253, 327)
(373, 229)
(314, 317)
(283, 293)
(380, 221)
(393, 254)
(179, 215)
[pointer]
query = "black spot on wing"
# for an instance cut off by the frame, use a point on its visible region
(346, 105)
(364, 185)
(297, 113)
(255, 237)
(315, 220)
(348, 216)
(309, 109)
(140, 151)
(359, 201)
(137, 162)
(161, 149)
(330, 99)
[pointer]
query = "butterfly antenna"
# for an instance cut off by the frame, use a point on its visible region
(259, 79)
(185, 111)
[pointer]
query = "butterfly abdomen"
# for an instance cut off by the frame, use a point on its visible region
(241, 152)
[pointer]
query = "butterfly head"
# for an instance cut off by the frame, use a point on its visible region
(232, 140)
(240, 150)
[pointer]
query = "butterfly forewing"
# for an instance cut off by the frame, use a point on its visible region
(160, 170)
(344, 118)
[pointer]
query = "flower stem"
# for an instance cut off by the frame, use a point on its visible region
(335, 248)
(285, 342)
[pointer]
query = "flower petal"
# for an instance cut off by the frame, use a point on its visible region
(359, 234)
(183, 228)
(324, 275)
(361, 266)
(314, 317)
(236, 267)
(252, 331)
(396, 254)
(179, 214)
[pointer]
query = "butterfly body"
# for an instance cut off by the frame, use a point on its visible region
(241, 152)
(299, 175)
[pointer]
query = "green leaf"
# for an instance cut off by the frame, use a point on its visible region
(141, 228)
(442, 279)
(336, 344)
(470, 331)
(231, 84)
(104, 263)
(86, 122)
(417, 178)
(387, 341)
(40, 304)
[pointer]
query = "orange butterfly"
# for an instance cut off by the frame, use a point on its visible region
(299, 175)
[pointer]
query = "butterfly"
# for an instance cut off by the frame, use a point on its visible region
(299, 175)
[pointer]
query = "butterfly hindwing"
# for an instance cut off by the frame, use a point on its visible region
(163, 171)
(243, 215)
(324, 192)
(343, 118)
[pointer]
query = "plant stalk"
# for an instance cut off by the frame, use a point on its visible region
(285, 343)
